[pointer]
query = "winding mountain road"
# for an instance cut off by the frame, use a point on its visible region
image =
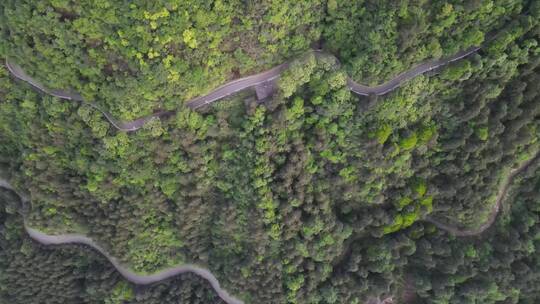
(501, 195)
(131, 276)
(240, 84)
(140, 279)
(143, 279)
(400, 79)
(217, 94)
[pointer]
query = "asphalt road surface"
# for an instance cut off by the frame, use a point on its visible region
(239, 85)
(143, 279)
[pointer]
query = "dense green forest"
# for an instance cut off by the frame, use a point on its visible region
(499, 267)
(313, 195)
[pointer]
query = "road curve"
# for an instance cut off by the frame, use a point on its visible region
(241, 84)
(501, 195)
(140, 279)
(397, 81)
(131, 276)
(134, 125)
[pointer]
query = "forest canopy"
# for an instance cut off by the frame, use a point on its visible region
(313, 194)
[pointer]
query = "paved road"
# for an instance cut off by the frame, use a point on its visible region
(140, 279)
(204, 273)
(501, 196)
(134, 125)
(238, 85)
(217, 94)
(397, 81)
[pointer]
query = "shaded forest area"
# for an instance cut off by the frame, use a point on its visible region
(500, 266)
(32, 273)
(313, 196)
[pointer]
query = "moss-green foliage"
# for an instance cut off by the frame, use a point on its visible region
(427, 203)
(408, 142)
(427, 133)
(405, 201)
(410, 209)
(121, 293)
(457, 71)
(420, 187)
(383, 133)
(482, 133)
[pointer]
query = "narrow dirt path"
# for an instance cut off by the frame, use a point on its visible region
(240, 84)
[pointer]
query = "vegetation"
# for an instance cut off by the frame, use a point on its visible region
(315, 194)
(137, 57)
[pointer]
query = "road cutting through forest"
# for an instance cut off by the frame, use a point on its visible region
(144, 279)
(217, 94)
(501, 195)
(136, 278)
(241, 84)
